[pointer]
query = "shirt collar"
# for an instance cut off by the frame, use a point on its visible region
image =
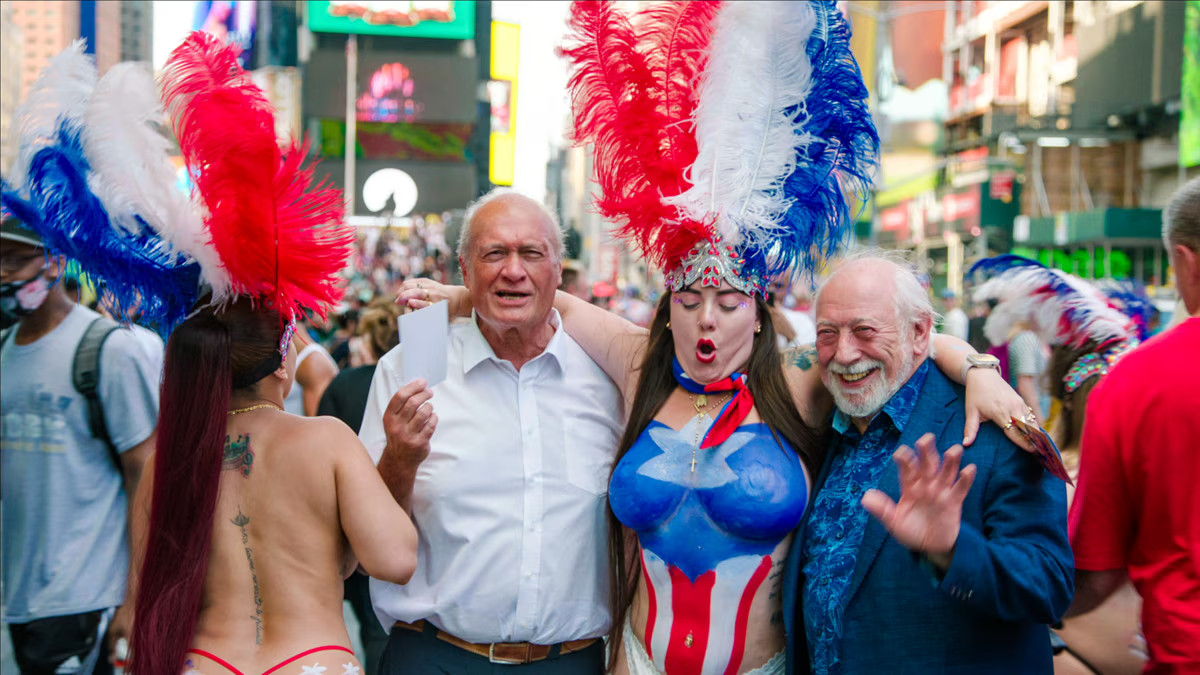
(898, 408)
(476, 348)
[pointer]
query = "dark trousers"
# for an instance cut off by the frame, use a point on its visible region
(373, 637)
(411, 653)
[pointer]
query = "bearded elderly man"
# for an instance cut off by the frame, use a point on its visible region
(504, 467)
(917, 567)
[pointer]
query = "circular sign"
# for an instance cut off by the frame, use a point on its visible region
(390, 185)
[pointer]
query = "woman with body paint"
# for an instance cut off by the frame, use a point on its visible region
(713, 473)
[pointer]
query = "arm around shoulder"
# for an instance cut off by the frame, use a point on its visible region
(614, 343)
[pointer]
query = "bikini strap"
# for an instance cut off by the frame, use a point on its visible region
(214, 657)
(306, 653)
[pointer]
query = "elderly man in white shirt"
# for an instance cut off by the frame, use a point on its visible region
(504, 467)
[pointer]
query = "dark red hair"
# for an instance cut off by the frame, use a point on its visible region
(204, 357)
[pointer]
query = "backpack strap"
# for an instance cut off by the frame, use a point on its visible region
(85, 374)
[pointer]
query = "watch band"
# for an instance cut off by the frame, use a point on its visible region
(978, 361)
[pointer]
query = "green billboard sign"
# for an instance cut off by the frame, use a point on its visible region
(1189, 121)
(450, 19)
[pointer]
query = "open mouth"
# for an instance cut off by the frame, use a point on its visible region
(706, 350)
(851, 378)
(511, 296)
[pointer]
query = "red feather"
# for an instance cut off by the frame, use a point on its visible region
(277, 240)
(633, 98)
(609, 86)
(675, 37)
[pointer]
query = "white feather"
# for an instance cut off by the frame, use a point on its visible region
(747, 146)
(60, 93)
(132, 173)
(1019, 302)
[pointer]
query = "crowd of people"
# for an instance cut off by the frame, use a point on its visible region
(730, 476)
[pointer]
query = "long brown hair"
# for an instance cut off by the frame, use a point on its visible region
(1074, 405)
(772, 400)
(205, 356)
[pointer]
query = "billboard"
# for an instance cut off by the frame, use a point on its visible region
(435, 186)
(449, 19)
(233, 23)
(1189, 120)
(393, 86)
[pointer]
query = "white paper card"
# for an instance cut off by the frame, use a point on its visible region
(424, 335)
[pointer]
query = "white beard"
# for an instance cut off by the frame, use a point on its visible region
(871, 400)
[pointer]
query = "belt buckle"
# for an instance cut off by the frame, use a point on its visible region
(503, 661)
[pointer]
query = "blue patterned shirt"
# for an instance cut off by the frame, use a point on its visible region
(836, 526)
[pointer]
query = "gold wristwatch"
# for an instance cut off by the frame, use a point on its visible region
(979, 361)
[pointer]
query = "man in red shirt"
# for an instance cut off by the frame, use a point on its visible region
(1137, 508)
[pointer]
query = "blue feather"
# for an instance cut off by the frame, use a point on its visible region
(1131, 298)
(135, 271)
(842, 156)
(997, 265)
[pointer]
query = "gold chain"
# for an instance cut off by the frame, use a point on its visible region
(700, 403)
(260, 406)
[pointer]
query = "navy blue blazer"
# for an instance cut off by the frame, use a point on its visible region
(1012, 573)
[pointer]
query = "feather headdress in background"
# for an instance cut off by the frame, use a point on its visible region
(279, 237)
(52, 193)
(1063, 309)
(723, 151)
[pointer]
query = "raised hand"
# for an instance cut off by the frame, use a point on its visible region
(409, 423)
(932, 491)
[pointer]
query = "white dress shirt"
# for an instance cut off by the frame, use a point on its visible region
(511, 502)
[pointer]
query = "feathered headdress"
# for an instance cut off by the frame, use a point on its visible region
(1063, 309)
(278, 237)
(94, 179)
(726, 135)
(1132, 300)
(57, 189)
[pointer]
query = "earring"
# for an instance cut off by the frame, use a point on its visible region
(758, 329)
(668, 325)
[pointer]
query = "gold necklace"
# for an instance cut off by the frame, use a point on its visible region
(700, 403)
(260, 406)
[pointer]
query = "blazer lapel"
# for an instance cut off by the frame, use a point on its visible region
(930, 415)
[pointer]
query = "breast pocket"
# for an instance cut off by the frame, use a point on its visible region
(589, 449)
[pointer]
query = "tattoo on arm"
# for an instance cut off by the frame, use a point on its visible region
(238, 455)
(802, 358)
(241, 521)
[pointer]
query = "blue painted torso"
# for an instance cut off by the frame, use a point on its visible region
(744, 496)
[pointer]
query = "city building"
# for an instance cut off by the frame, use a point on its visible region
(1060, 141)
(11, 50)
(137, 25)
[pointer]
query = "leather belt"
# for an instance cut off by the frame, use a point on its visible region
(503, 652)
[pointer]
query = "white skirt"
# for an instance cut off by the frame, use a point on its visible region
(639, 662)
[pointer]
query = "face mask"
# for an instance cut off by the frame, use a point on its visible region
(19, 299)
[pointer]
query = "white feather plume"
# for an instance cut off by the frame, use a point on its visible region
(1072, 314)
(60, 93)
(747, 145)
(132, 173)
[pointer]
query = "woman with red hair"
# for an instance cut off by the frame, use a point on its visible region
(258, 514)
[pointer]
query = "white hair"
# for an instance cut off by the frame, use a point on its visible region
(1181, 218)
(913, 304)
(496, 194)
